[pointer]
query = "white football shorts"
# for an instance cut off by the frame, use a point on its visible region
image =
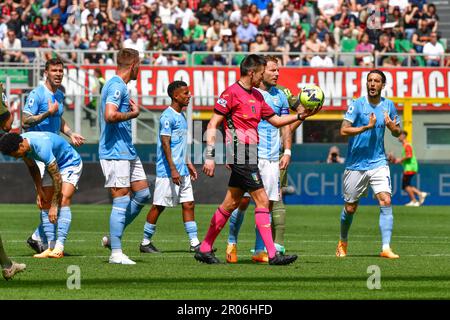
(355, 183)
(168, 194)
(120, 173)
(70, 174)
(270, 175)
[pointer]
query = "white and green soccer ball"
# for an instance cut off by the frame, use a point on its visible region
(312, 97)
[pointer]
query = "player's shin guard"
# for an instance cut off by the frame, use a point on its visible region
(236, 219)
(262, 219)
(191, 230)
(278, 222)
(386, 225)
(138, 201)
(218, 221)
(117, 220)
(64, 220)
(49, 229)
(346, 222)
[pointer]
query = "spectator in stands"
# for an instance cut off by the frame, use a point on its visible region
(114, 9)
(101, 38)
(29, 43)
(433, 51)
(66, 44)
(39, 30)
(8, 7)
(3, 27)
(215, 59)
(54, 29)
(311, 45)
(398, 31)
(238, 13)
(213, 35)
(266, 28)
(90, 9)
(44, 50)
(285, 32)
(321, 59)
(334, 155)
(195, 36)
(411, 61)
(163, 32)
(204, 16)
(24, 11)
(328, 9)
(306, 14)
(277, 47)
(11, 47)
(246, 33)
(321, 29)
(102, 17)
(61, 11)
(177, 45)
(138, 44)
(93, 57)
(74, 30)
(15, 23)
(295, 48)
(260, 44)
(411, 21)
(432, 18)
(332, 49)
(402, 6)
(421, 36)
(253, 15)
(291, 15)
(362, 49)
(125, 24)
(220, 14)
(182, 11)
(226, 42)
(385, 45)
(88, 31)
(234, 36)
(345, 25)
(165, 11)
(116, 41)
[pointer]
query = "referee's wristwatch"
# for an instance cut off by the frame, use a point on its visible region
(300, 118)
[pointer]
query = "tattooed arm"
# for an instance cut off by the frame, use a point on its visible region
(348, 130)
(53, 170)
(31, 120)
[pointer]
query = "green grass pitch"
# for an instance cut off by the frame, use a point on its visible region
(421, 237)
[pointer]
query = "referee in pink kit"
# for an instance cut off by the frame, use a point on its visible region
(240, 108)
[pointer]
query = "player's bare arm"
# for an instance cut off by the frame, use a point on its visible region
(213, 124)
(36, 176)
(53, 170)
(392, 126)
(286, 135)
(29, 121)
(77, 139)
(348, 130)
(165, 142)
(113, 115)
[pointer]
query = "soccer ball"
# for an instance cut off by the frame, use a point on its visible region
(312, 97)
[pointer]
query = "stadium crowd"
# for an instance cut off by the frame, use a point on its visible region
(318, 29)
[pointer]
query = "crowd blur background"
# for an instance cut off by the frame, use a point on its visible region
(304, 33)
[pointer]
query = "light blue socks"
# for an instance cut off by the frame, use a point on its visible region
(386, 225)
(346, 222)
(236, 219)
(117, 220)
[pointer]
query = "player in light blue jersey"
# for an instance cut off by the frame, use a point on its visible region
(174, 170)
(269, 162)
(366, 164)
(124, 174)
(64, 166)
(43, 111)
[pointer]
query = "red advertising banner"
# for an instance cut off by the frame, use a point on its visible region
(340, 85)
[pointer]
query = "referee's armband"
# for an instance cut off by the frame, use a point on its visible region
(210, 152)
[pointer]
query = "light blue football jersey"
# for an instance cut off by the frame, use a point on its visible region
(173, 124)
(48, 147)
(269, 136)
(366, 150)
(37, 103)
(115, 138)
